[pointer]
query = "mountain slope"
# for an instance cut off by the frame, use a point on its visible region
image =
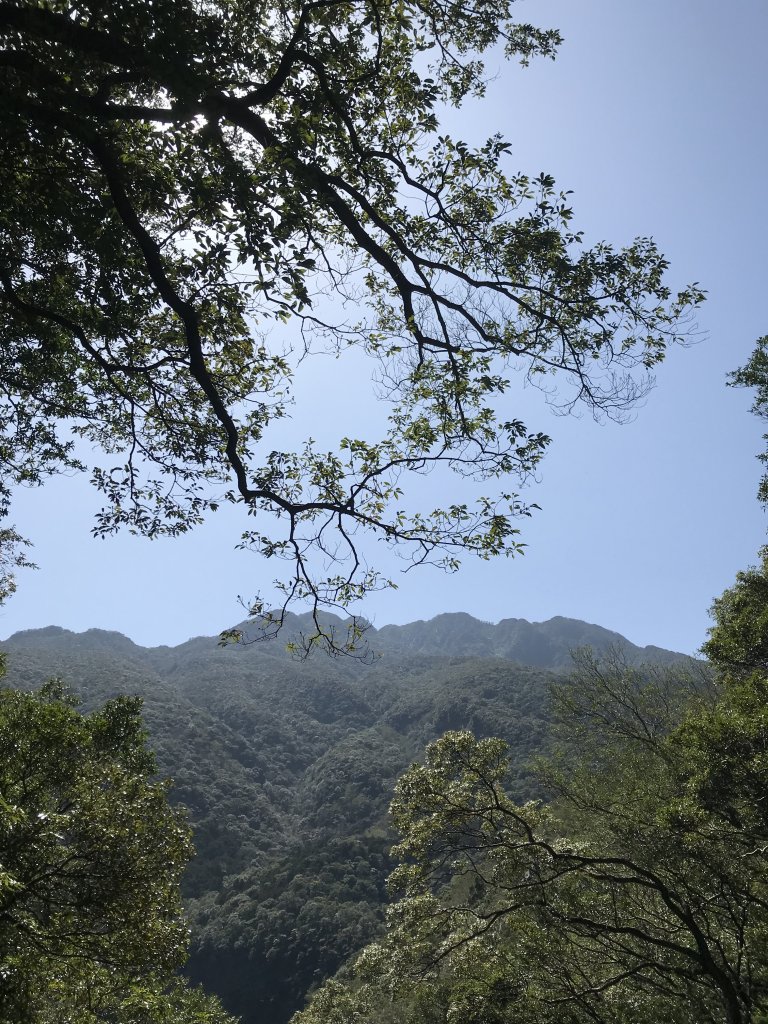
(287, 769)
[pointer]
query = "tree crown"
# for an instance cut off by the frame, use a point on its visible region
(191, 191)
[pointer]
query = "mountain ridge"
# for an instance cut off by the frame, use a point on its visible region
(544, 644)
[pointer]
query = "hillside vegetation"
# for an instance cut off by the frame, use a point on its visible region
(287, 769)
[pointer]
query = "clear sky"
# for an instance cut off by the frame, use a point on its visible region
(654, 114)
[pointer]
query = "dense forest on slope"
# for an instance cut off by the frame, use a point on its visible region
(287, 769)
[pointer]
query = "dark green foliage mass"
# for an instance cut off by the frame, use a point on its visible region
(738, 642)
(211, 765)
(91, 855)
(287, 770)
(278, 931)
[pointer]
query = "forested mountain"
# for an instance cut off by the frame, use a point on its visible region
(287, 769)
(544, 644)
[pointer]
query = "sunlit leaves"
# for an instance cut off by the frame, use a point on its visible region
(754, 374)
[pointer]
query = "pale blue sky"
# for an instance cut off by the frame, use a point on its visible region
(654, 114)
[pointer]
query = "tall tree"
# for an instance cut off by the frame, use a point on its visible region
(629, 898)
(180, 180)
(91, 856)
(738, 640)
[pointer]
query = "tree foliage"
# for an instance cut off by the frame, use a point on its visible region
(754, 374)
(90, 860)
(181, 180)
(281, 928)
(738, 640)
(635, 895)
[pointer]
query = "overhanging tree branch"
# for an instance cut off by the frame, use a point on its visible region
(215, 169)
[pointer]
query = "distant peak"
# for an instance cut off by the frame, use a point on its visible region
(40, 634)
(98, 638)
(96, 633)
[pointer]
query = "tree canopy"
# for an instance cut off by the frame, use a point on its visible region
(91, 855)
(193, 195)
(635, 894)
